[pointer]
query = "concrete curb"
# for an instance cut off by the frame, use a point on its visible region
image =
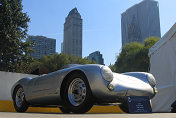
(7, 106)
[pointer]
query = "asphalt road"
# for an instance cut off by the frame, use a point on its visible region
(58, 115)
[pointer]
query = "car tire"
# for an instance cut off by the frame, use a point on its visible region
(77, 96)
(64, 110)
(173, 110)
(19, 100)
(124, 107)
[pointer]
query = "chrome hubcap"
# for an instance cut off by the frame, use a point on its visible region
(19, 97)
(77, 92)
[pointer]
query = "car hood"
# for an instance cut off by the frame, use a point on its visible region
(127, 83)
(126, 79)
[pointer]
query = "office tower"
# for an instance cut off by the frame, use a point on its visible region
(61, 47)
(97, 57)
(42, 46)
(72, 43)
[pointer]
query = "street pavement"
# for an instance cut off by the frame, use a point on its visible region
(59, 115)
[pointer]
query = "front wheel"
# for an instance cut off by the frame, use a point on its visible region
(64, 110)
(77, 95)
(124, 107)
(19, 101)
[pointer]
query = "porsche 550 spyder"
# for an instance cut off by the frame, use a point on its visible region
(76, 88)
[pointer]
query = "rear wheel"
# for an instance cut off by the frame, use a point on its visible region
(173, 105)
(77, 95)
(19, 101)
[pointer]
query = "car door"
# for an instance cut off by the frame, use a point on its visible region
(45, 85)
(42, 89)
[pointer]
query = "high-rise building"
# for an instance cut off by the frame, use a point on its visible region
(141, 21)
(61, 47)
(72, 43)
(42, 46)
(97, 57)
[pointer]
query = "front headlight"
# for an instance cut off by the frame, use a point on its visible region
(107, 73)
(151, 80)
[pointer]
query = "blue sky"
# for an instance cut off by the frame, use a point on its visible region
(101, 22)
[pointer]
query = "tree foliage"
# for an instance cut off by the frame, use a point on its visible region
(134, 56)
(14, 49)
(55, 62)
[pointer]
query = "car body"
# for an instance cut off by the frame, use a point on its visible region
(77, 86)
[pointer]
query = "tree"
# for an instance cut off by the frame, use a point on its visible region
(14, 49)
(112, 67)
(142, 56)
(126, 60)
(53, 63)
(134, 56)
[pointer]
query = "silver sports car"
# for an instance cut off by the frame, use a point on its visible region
(76, 88)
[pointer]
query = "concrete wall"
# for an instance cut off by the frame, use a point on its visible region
(7, 80)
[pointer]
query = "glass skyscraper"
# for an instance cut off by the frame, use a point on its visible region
(97, 57)
(141, 21)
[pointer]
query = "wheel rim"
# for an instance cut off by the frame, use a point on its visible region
(77, 92)
(19, 97)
